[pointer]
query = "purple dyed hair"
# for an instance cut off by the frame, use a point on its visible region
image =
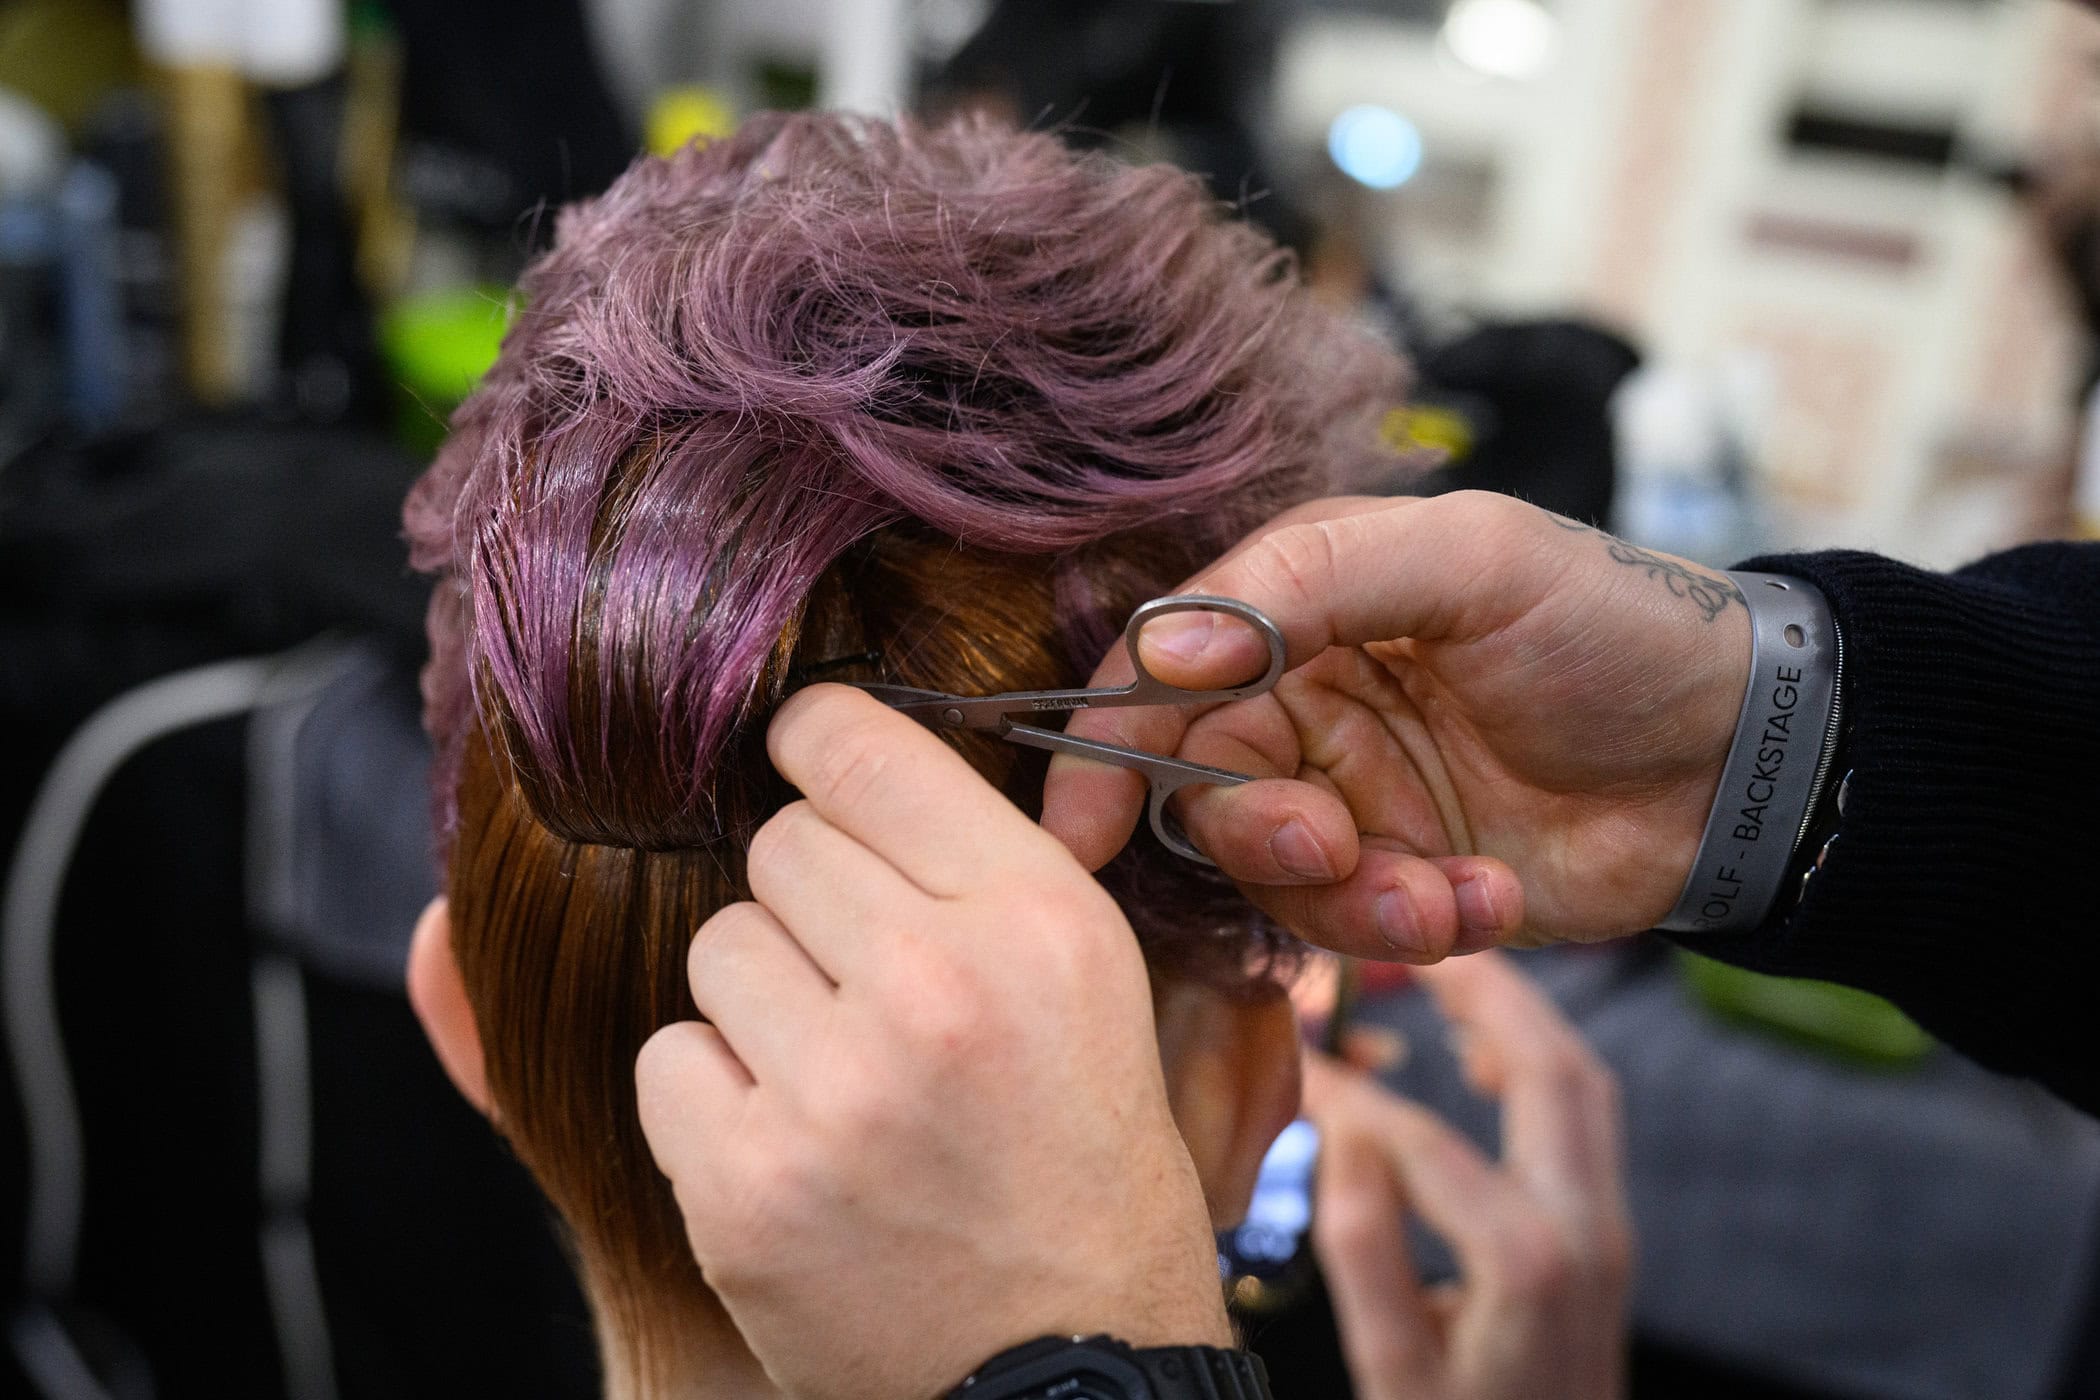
(953, 396)
(746, 358)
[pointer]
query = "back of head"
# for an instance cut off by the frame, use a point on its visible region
(832, 398)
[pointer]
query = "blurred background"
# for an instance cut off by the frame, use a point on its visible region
(1722, 275)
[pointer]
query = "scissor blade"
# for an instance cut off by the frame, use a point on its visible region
(922, 705)
(1158, 769)
(899, 696)
(937, 709)
(940, 710)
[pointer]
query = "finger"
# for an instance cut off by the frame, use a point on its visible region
(1373, 1050)
(834, 895)
(1273, 831)
(891, 784)
(1325, 508)
(690, 1089)
(1411, 569)
(1276, 830)
(1091, 807)
(1394, 907)
(1354, 776)
(1094, 807)
(1445, 1177)
(1559, 1103)
(757, 986)
(1389, 1337)
(1179, 634)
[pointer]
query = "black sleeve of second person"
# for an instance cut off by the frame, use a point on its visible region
(1965, 883)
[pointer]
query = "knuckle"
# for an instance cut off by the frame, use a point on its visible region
(774, 845)
(1485, 509)
(867, 1109)
(933, 1006)
(946, 1024)
(1533, 1263)
(1300, 560)
(1078, 946)
(1076, 926)
(1495, 521)
(715, 948)
(1350, 1222)
(778, 1188)
(1613, 1263)
(851, 766)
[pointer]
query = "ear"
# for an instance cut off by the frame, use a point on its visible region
(1231, 1062)
(439, 996)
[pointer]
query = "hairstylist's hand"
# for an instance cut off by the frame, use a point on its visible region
(928, 1120)
(1499, 726)
(1543, 1245)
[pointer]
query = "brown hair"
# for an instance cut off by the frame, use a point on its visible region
(833, 399)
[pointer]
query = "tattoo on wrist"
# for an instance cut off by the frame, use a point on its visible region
(1710, 594)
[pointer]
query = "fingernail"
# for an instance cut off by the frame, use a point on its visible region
(1182, 636)
(1481, 926)
(1396, 922)
(1299, 852)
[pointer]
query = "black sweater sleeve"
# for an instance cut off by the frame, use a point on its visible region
(1965, 882)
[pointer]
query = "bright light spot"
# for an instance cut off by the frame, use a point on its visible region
(1502, 38)
(1375, 146)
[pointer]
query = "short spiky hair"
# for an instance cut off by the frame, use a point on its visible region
(955, 397)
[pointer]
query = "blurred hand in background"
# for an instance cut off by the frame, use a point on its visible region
(1542, 1237)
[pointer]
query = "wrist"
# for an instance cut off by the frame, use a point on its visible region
(1778, 764)
(1162, 1308)
(1200, 1324)
(1108, 1368)
(1142, 1300)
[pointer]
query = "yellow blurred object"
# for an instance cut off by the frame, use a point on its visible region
(682, 115)
(214, 162)
(386, 225)
(1427, 428)
(66, 55)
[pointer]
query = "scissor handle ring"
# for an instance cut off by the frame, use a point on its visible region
(1152, 685)
(1167, 828)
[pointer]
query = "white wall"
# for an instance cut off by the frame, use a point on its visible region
(1917, 360)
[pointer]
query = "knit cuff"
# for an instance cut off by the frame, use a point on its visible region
(1957, 884)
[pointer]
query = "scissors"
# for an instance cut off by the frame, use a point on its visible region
(999, 714)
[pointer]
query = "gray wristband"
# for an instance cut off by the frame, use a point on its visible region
(1777, 764)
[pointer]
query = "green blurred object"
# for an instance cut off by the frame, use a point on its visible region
(1842, 1022)
(437, 347)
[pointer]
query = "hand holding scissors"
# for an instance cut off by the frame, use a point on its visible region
(1496, 726)
(1004, 714)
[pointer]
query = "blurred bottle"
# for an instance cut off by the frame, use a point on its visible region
(1685, 481)
(85, 306)
(32, 150)
(123, 136)
(231, 258)
(98, 367)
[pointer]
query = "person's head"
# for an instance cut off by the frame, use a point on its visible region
(842, 399)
